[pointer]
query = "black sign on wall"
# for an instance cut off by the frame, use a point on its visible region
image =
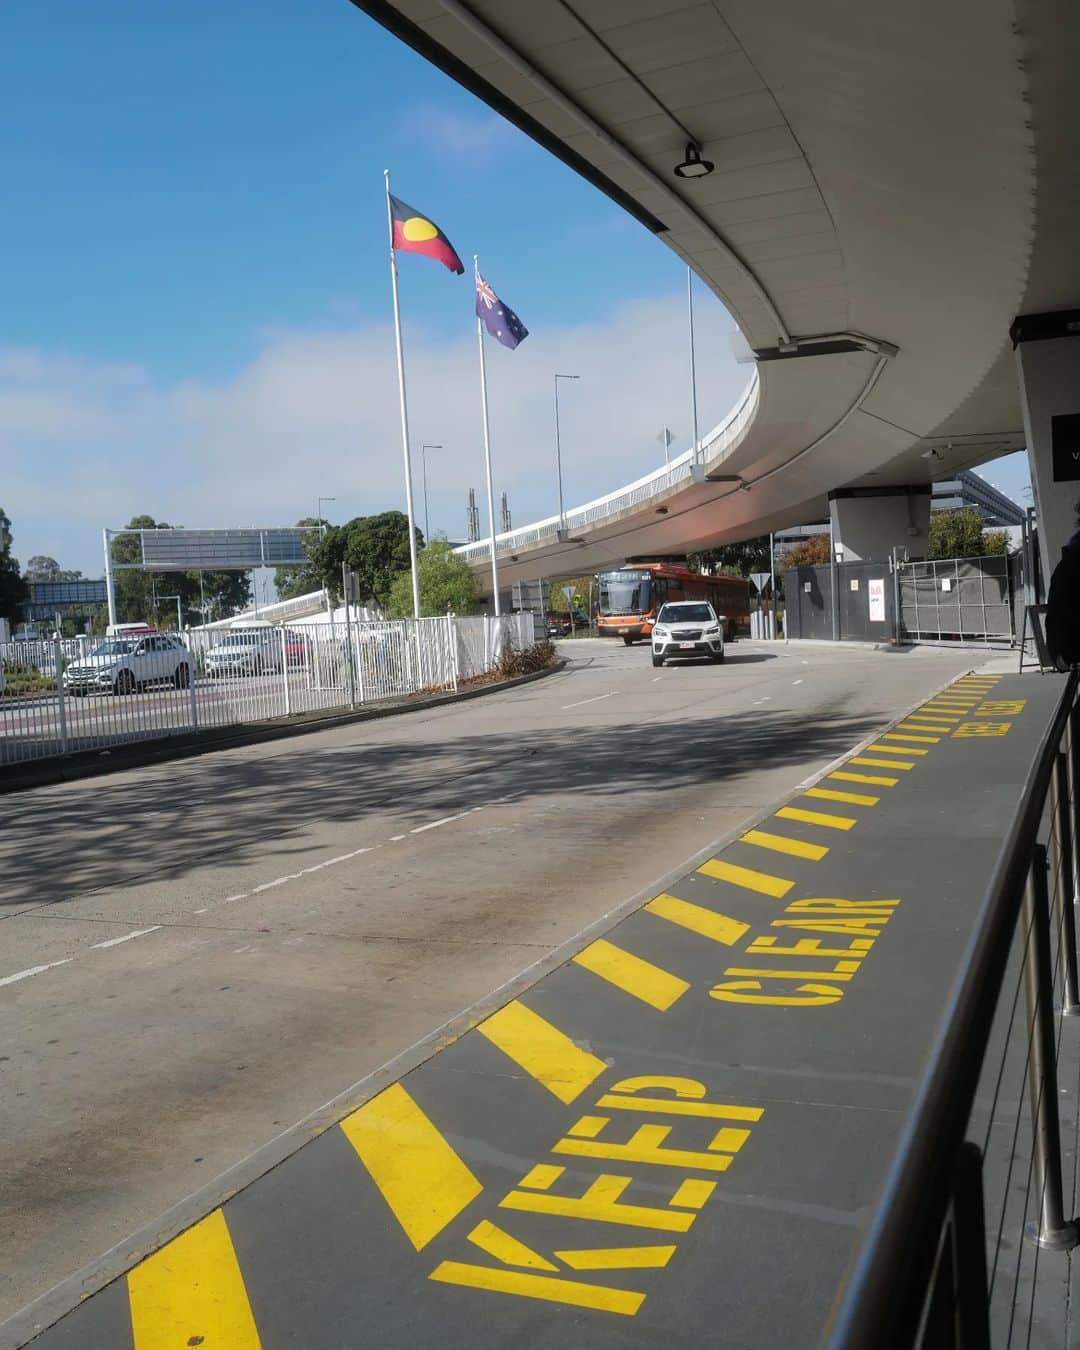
(1065, 445)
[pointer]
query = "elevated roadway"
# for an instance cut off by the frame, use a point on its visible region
(890, 188)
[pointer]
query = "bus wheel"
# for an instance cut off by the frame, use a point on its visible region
(628, 642)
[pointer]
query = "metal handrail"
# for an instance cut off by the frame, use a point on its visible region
(914, 1197)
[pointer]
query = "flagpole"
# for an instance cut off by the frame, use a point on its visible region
(487, 448)
(404, 405)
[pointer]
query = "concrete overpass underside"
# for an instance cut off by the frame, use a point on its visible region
(892, 186)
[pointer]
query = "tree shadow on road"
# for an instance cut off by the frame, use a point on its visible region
(159, 824)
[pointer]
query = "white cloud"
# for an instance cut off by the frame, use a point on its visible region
(464, 135)
(86, 445)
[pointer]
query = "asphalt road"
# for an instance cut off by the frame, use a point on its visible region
(193, 956)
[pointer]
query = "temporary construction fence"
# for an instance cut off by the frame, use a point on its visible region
(57, 700)
(958, 600)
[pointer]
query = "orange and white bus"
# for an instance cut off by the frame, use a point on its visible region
(631, 597)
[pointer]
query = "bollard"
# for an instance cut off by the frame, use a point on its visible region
(1051, 1230)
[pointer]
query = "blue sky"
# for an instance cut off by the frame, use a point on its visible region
(195, 296)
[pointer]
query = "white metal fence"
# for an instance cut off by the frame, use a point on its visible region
(62, 697)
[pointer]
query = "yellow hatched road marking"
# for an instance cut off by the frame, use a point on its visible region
(879, 763)
(940, 716)
(641, 979)
(878, 747)
(953, 702)
(545, 1287)
(618, 1258)
(698, 919)
(191, 1292)
(845, 777)
(907, 736)
(542, 1050)
(853, 798)
(781, 844)
(825, 818)
(420, 1176)
(929, 723)
(761, 882)
(490, 1238)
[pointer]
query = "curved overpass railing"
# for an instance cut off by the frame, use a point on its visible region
(660, 482)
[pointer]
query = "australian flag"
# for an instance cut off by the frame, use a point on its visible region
(499, 319)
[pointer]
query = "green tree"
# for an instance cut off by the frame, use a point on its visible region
(736, 560)
(958, 534)
(376, 548)
(138, 592)
(43, 568)
(447, 582)
(572, 589)
(995, 541)
(304, 578)
(812, 552)
(12, 585)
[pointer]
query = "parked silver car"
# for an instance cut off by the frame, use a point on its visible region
(245, 651)
(122, 665)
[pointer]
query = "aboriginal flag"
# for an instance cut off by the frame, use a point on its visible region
(416, 233)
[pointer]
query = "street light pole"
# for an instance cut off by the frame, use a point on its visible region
(423, 461)
(693, 363)
(318, 512)
(558, 449)
(179, 615)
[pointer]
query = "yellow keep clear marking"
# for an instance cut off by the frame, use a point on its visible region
(191, 1292)
(692, 1193)
(420, 1176)
(829, 821)
(500, 1244)
(761, 882)
(641, 979)
(542, 1050)
(852, 798)
(781, 844)
(698, 919)
(907, 736)
(879, 763)
(878, 779)
(880, 748)
(546, 1287)
(618, 1258)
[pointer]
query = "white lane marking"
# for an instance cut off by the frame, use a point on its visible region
(34, 970)
(445, 821)
(758, 701)
(657, 679)
(796, 681)
(230, 898)
(394, 838)
(198, 911)
(581, 703)
(115, 942)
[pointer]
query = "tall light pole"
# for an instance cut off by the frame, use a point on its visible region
(693, 365)
(318, 511)
(423, 461)
(558, 449)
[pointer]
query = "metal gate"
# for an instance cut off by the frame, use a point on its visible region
(957, 600)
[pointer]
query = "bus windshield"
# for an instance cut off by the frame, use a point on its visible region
(624, 592)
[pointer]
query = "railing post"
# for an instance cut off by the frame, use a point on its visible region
(193, 680)
(58, 667)
(285, 670)
(1051, 1229)
(1063, 867)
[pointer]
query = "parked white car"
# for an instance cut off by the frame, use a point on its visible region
(245, 651)
(688, 628)
(122, 665)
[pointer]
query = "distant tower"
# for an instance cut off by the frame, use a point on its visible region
(506, 525)
(472, 518)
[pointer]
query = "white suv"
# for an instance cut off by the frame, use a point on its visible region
(688, 628)
(122, 665)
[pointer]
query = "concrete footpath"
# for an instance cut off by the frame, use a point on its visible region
(673, 1138)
